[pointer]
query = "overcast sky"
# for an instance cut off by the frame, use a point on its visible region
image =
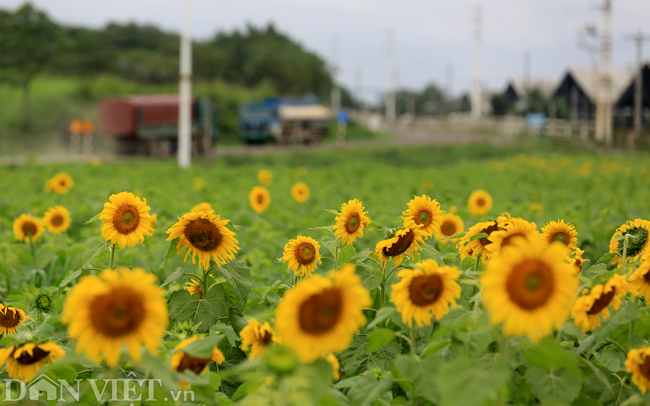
(430, 35)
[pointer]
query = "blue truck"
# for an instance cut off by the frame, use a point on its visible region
(284, 120)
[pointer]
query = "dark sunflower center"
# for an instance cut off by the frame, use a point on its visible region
(118, 312)
(57, 220)
(9, 318)
(37, 355)
(203, 235)
(489, 230)
(126, 219)
(530, 284)
(353, 223)
(29, 228)
(62, 183)
(260, 198)
(561, 237)
(320, 313)
(266, 338)
(635, 245)
(645, 368)
(426, 289)
(402, 244)
(480, 202)
(305, 253)
(448, 228)
(508, 240)
(424, 217)
(646, 278)
(601, 302)
(195, 365)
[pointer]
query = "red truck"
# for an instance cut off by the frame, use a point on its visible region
(148, 124)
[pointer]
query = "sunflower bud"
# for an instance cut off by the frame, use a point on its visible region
(43, 302)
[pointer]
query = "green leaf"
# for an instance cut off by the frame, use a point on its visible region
(368, 388)
(171, 251)
(205, 311)
(604, 277)
(625, 314)
(329, 242)
(237, 320)
(94, 218)
(331, 211)
(94, 248)
(432, 253)
(459, 235)
(383, 313)
(138, 263)
(478, 236)
(328, 228)
(203, 347)
(70, 278)
(357, 357)
(62, 371)
(422, 371)
(215, 381)
(361, 256)
(248, 386)
(608, 358)
(176, 275)
(558, 387)
(346, 253)
(236, 227)
(468, 263)
(379, 338)
(238, 275)
(607, 257)
(272, 289)
(549, 356)
(463, 383)
(370, 278)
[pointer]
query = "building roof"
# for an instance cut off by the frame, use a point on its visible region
(520, 85)
(587, 79)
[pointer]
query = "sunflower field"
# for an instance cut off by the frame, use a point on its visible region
(473, 275)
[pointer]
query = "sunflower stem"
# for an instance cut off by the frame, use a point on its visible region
(413, 393)
(32, 249)
(336, 258)
(476, 266)
(204, 281)
(38, 318)
(112, 262)
(625, 243)
(633, 324)
(559, 334)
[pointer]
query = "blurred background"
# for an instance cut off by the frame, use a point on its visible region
(79, 80)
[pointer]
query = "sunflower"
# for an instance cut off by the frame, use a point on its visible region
(321, 314)
(199, 183)
(588, 308)
(451, 224)
(513, 229)
(560, 231)
(204, 234)
(529, 289)
(351, 221)
(638, 364)
(114, 308)
(259, 199)
(640, 279)
(301, 255)
(182, 361)
(336, 366)
(426, 292)
(154, 220)
(403, 242)
(126, 220)
(636, 246)
(57, 219)
(205, 206)
(426, 211)
(479, 203)
(10, 319)
(26, 226)
(25, 361)
(576, 260)
(60, 183)
(264, 176)
(469, 248)
(256, 336)
(193, 287)
(300, 192)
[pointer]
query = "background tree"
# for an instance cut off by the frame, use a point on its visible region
(28, 44)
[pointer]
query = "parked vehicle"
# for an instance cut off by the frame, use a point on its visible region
(148, 124)
(284, 120)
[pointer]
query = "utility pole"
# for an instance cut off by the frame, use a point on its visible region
(638, 38)
(390, 97)
(185, 96)
(476, 85)
(336, 90)
(604, 100)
